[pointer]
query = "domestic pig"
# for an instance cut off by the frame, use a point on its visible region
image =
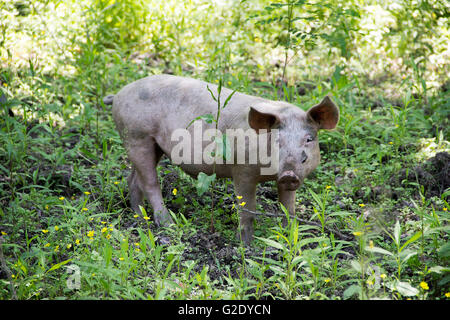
(149, 112)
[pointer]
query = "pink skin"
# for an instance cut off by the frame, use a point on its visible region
(147, 111)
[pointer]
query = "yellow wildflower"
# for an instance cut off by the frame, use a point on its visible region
(104, 229)
(56, 249)
(85, 209)
(77, 241)
(424, 285)
(116, 182)
(56, 228)
(87, 193)
(328, 187)
(390, 142)
(447, 294)
(136, 215)
(90, 234)
(242, 203)
(4, 233)
(46, 207)
(121, 259)
(327, 280)
(174, 191)
(369, 282)
(382, 276)
(146, 218)
(61, 198)
(69, 246)
(239, 197)
(108, 236)
(44, 231)
(357, 233)
(371, 244)
(362, 205)
(47, 245)
(445, 209)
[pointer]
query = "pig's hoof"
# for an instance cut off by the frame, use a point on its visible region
(245, 238)
(163, 220)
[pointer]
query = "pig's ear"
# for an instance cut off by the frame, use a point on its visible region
(325, 114)
(261, 120)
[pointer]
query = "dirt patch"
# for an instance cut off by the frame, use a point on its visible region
(433, 175)
(212, 250)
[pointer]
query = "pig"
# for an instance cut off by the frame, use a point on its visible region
(148, 111)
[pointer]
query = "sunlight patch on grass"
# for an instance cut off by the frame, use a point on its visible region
(430, 146)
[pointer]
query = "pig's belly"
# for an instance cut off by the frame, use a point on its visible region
(222, 171)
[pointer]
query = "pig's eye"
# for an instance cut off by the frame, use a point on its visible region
(309, 139)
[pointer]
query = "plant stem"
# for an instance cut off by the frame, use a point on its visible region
(288, 44)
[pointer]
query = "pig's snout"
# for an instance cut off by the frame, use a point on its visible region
(288, 180)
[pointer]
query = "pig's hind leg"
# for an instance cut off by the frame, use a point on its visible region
(143, 181)
(135, 192)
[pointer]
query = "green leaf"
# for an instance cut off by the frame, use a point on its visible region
(408, 254)
(208, 118)
(203, 182)
(351, 291)
(397, 233)
(297, 260)
(295, 234)
(356, 265)
(411, 240)
(88, 154)
(223, 148)
(405, 289)
(438, 269)
(212, 94)
(444, 251)
(444, 280)
(378, 250)
(272, 243)
(278, 270)
(228, 99)
(58, 265)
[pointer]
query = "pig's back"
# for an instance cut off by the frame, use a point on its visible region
(173, 102)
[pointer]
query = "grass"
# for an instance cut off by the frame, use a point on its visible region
(66, 227)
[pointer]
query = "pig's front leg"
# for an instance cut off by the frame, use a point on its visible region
(246, 188)
(287, 198)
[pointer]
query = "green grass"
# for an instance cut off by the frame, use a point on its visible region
(66, 227)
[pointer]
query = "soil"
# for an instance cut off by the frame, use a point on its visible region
(433, 175)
